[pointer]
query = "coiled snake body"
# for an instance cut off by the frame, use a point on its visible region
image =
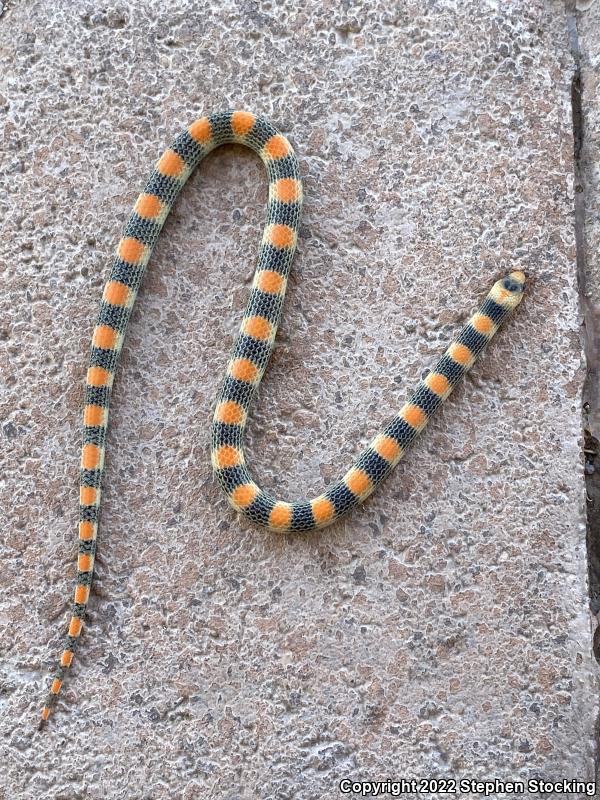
(250, 353)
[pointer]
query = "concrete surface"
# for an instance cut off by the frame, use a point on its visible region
(585, 35)
(442, 630)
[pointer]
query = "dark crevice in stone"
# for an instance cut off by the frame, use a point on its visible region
(591, 387)
(591, 343)
(592, 480)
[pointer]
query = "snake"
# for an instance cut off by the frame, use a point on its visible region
(249, 356)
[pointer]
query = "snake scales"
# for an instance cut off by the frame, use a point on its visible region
(250, 353)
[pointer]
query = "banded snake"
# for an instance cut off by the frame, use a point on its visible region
(250, 354)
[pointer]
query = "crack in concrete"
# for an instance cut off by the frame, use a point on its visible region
(591, 342)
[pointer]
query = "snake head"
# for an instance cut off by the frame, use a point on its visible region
(508, 291)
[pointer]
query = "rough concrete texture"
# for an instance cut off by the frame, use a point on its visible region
(588, 28)
(585, 36)
(443, 629)
(585, 16)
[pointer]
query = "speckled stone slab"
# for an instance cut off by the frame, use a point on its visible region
(442, 630)
(587, 27)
